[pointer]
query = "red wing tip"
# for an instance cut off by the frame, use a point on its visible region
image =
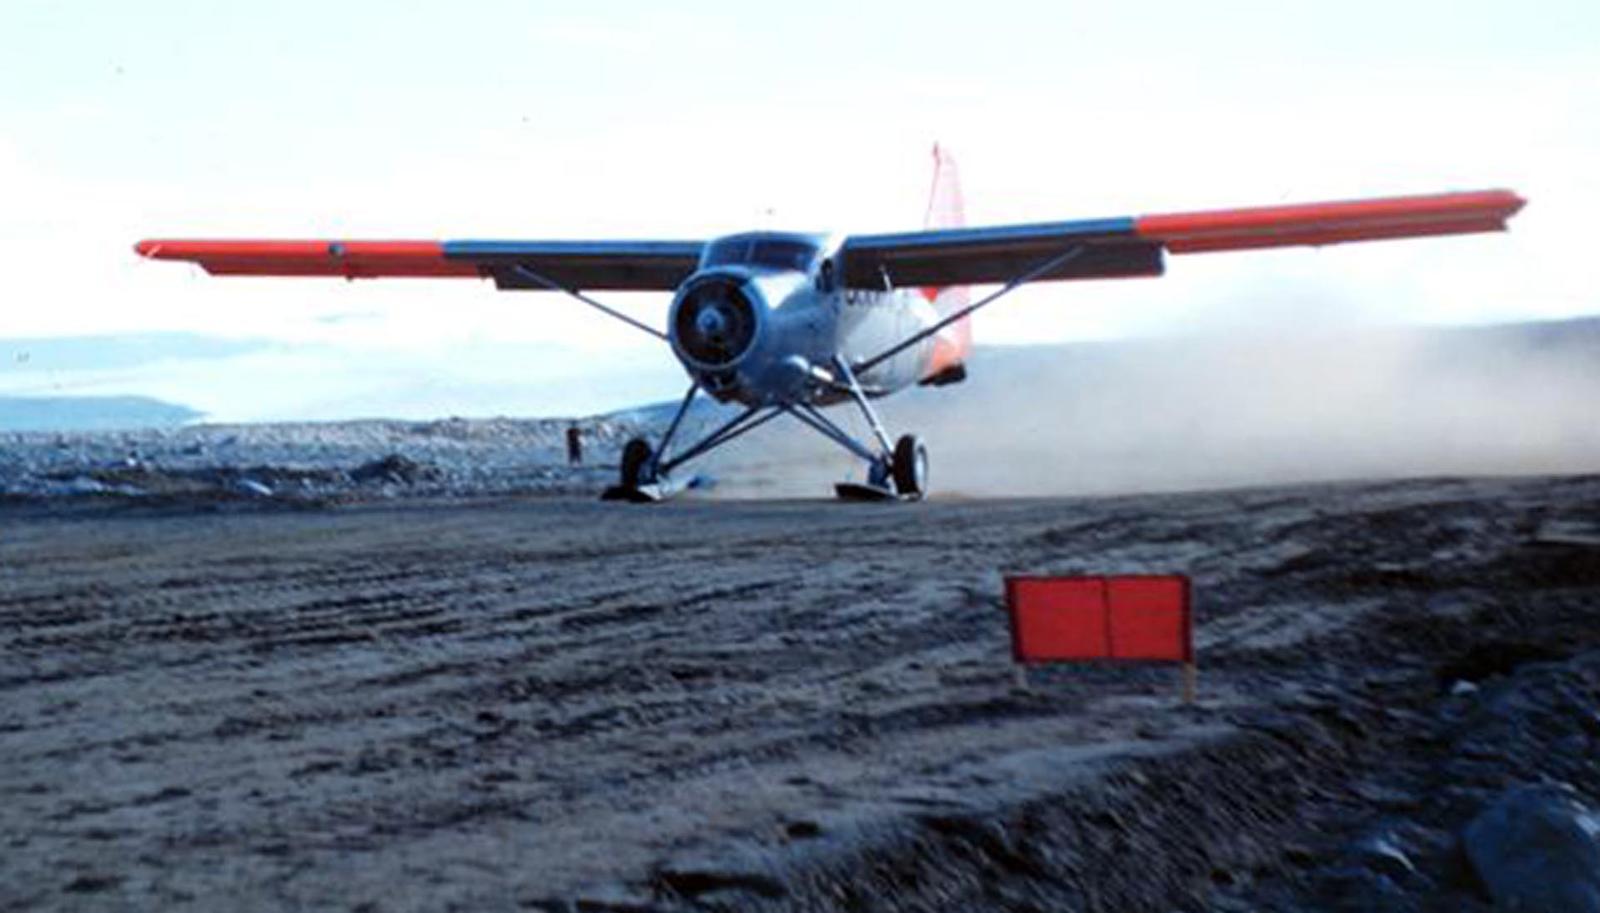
(1372, 218)
(1509, 199)
(147, 248)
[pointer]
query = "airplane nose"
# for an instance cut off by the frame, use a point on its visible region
(716, 321)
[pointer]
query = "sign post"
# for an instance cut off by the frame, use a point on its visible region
(1123, 618)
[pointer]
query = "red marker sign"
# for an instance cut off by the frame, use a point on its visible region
(1131, 618)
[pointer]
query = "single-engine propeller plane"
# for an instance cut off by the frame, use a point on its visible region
(787, 323)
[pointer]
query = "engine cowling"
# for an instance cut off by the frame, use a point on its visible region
(747, 335)
(716, 321)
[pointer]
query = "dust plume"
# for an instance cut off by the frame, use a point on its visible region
(1213, 411)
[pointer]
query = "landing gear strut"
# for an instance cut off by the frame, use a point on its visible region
(896, 473)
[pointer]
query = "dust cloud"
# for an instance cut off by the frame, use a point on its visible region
(1210, 411)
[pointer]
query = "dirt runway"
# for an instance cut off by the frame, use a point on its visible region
(560, 704)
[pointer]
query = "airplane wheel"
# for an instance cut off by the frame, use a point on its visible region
(910, 467)
(635, 460)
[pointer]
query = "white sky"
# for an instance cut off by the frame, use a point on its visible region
(515, 119)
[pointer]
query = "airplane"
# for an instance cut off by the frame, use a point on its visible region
(788, 323)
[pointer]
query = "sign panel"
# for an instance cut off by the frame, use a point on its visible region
(1136, 618)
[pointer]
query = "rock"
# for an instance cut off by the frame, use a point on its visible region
(1491, 658)
(394, 469)
(1568, 533)
(83, 485)
(724, 877)
(1537, 849)
(252, 487)
(803, 829)
(92, 883)
(1381, 853)
(614, 898)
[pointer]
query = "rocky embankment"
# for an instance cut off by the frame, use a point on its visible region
(311, 462)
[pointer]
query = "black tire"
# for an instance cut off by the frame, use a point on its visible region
(635, 462)
(910, 467)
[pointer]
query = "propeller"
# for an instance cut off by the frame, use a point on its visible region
(716, 323)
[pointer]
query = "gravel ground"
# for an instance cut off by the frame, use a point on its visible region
(552, 703)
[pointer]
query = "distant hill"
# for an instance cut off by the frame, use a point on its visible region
(90, 413)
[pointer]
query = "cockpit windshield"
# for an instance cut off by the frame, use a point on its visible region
(775, 253)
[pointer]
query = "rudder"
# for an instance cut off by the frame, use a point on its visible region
(947, 209)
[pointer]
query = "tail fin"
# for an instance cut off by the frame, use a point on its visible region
(945, 206)
(946, 209)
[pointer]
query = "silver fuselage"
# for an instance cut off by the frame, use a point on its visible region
(764, 319)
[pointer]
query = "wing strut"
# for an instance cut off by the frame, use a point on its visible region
(528, 275)
(1061, 259)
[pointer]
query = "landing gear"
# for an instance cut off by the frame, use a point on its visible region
(910, 465)
(646, 472)
(900, 476)
(642, 479)
(638, 476)
(896, 471)
(637, 468)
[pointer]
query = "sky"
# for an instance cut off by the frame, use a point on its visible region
(640, 120)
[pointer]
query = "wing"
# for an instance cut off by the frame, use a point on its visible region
(610, 265)
(1134, 246)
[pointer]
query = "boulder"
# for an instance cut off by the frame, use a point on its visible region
(394, 469)
(1537, 849)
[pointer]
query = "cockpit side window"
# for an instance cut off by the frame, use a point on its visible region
(825, 277)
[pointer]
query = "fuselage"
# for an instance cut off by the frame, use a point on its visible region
(763, 320)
